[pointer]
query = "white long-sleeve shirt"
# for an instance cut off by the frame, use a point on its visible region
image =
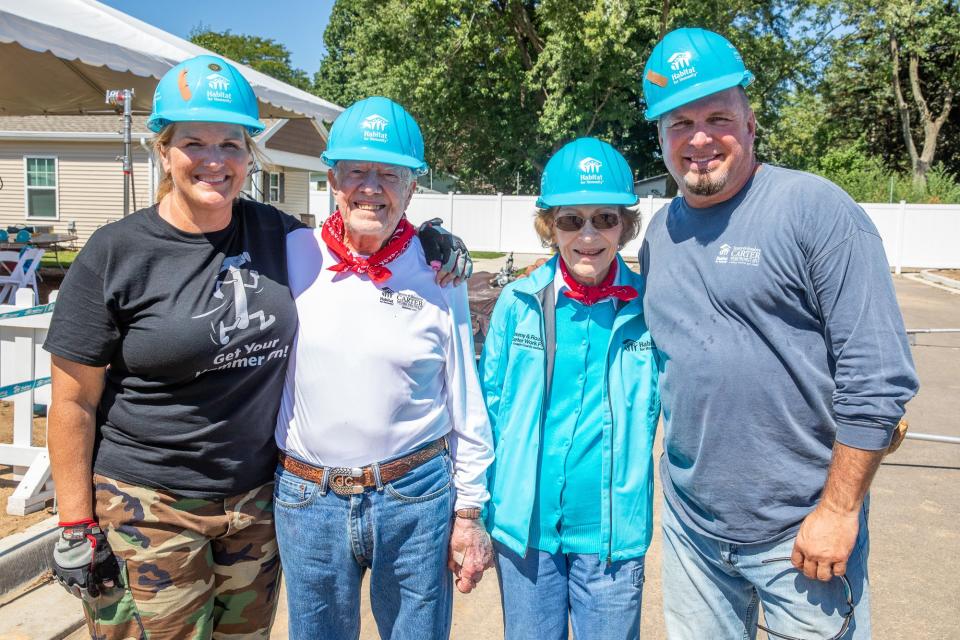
(380, 370)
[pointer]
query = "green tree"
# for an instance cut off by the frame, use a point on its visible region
(498, 85)
(263, 54)
(894, 76)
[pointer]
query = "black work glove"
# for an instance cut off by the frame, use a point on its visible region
(83, 561)
(445, 252)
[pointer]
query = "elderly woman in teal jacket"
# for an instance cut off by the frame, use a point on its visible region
(570, 379)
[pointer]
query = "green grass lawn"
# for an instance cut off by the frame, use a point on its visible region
(486, 255)
(49, 259)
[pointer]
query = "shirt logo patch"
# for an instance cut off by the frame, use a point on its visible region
(528, 341)
(637, 345)
(739, 255)
(404, 300)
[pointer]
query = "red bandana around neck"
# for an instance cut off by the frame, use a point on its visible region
(588, 295)
(374, 266)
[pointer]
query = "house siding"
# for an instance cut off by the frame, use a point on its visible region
(296, 197)
(89, 189)
(298, 135)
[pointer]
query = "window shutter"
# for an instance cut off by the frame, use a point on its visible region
(282, 186)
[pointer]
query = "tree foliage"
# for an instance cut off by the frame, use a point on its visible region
(263, 54)
(498, 85)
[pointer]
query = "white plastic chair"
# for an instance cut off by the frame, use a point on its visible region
(7, 259)
(23, 275)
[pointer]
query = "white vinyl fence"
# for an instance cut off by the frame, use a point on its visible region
(925, 236)
(24, 381)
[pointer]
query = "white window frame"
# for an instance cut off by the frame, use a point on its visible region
(27, 187)
(271, 188)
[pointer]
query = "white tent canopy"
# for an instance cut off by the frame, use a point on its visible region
(60, 56)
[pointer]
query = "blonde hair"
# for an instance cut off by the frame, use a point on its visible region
(543, 224)
(162, 140)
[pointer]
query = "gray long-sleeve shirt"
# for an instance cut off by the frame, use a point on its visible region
(779, 332)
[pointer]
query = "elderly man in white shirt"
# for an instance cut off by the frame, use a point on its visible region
(383, 433)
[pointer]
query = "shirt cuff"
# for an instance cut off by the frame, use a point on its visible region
(872, 437)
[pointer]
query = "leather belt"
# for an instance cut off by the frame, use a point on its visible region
(347, 481)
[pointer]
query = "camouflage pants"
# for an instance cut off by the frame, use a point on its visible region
(193, 569)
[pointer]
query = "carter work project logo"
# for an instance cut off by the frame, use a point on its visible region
(375, 128)
(680, 63)
(403, 300)
(738, 255)
(218, 88)
(590, 171)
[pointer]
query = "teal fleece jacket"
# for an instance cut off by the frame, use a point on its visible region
(516, 369)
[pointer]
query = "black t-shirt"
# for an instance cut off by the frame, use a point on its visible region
(196, 330)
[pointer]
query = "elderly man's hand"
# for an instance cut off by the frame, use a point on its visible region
(471, 553)
(445, 252)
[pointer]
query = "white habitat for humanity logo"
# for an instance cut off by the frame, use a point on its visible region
(218, 88)
(375, 128)
(680, 63)
(590, 171)
(739, 255)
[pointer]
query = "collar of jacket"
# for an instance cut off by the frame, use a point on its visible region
(540, 279)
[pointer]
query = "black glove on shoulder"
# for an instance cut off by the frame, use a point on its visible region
(444, 249)
(83, 561)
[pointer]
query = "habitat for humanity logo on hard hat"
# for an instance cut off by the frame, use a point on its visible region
(680, 63)
(375, 128)
(218, 86)
(590, 171)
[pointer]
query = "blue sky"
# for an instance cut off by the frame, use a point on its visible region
(297, 24)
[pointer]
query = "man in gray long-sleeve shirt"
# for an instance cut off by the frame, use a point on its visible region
(785, 365)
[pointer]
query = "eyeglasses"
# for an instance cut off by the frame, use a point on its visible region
(600, 221)
(847, 617)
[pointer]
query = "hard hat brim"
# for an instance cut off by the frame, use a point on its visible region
(367, 154)
(698, 91)
(575, 198)
(252, 125)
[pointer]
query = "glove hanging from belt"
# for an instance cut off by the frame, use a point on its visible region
(83, 561)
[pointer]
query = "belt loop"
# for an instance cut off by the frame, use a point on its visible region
(376, 475)
(325, 481)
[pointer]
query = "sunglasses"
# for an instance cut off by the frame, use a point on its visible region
(600, 221)
(847, 617)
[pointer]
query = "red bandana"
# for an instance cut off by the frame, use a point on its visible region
(332, 234)
(591, 295)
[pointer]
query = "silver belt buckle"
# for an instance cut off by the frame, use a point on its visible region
(341, 480)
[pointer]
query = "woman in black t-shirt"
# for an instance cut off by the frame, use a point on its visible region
(169, 344)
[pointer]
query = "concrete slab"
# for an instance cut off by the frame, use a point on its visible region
(915, 511)
(25, 555)
(46, 613)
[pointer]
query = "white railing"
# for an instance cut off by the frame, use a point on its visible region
(24, 372)
(921, 236)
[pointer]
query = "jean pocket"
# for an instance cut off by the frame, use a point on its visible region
(639, 576)
(292, 491)
(428, 481)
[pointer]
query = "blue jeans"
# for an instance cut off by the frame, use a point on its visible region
(713, 589)
(399, 531)
(537, 592)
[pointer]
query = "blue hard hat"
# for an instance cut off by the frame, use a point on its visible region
(376, 129)
(205, 89)
(586, 171)
(689, 64)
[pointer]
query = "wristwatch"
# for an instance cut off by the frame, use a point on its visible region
(470, 513)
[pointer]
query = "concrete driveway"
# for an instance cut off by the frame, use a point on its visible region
(915, 508)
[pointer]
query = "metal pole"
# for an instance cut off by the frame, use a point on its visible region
(127, 150)
(932, 438)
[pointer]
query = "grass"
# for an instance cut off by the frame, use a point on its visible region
(486, 255)
(49, 259)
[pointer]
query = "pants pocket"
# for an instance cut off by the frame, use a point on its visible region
(430, 480)
(115, 615)
(292, 491)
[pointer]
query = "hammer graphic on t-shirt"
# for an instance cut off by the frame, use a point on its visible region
(231, 265)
